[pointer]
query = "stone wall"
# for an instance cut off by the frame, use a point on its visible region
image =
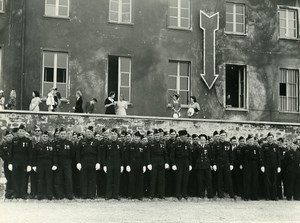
(78, 122)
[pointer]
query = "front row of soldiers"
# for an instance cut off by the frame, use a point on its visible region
(137, 168)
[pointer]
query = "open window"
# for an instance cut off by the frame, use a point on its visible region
(55, 72)
(236, 82)
(289, 90)
(119, 76)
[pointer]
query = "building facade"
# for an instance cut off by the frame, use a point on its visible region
(239, 58)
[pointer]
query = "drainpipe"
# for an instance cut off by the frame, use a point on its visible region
(23, 52)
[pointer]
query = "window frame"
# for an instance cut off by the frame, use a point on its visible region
(178, 76)
(287, 8)
(120, 13)
(234, 32)
(298, 96)
(43, 94)
(246, 90)
(178, 27)
(120, 80)
(56, 10)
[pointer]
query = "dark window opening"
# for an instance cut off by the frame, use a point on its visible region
(282, 90)
(113, 67)
(49, 74)
(235, 86)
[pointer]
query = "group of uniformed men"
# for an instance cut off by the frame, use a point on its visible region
(114, 164)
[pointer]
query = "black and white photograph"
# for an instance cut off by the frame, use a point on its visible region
(141, 111)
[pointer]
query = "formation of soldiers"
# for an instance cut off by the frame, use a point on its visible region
(160, 164)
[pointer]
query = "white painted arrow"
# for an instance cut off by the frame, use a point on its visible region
(209, 25)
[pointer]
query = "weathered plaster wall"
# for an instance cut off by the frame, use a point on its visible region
(90, 38)
(73, 122)
(11, 45)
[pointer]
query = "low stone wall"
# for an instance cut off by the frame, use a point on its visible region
(78, 122)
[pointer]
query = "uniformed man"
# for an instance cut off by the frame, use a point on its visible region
(101, 175)
(4, 149)
(237, 173)
(271, 166)
(135, 166)
(124, 181)
(282, 145)
(250, 162)
(75, 171)
(170, 174)
(203, 157)
(63, 184)
(214, 176)
(292, 160)
(88, 162)
(19, 159)
(181, 162)
(146, 175)
(224, 165)
(192, 185)
(157, 160)
(36, 138)
(44, 163)
(113, 165)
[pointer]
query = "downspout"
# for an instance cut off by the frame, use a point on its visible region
(23, 52)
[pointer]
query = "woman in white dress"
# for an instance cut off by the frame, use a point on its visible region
(121, 106)
(35, 102)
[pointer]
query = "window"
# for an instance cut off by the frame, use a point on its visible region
(120, 11)
(235, 18)
(288, 23)
(55, 73)
(119, 76)
(179, 80)
(180, 13)
(289, 90)
(236, 83)
(57, 8)
(1, 5)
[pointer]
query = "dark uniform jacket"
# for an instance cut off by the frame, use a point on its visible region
(65, 151)
(44, 151)
(88, 151)
(180, 151)
(292, 160)
(203, 157)
(250, 153)
(270, 155)
(237, 153)
(223, 153)
(156, 153)
(113, 155)
(135, 156)
(20, 151)
(4, 148)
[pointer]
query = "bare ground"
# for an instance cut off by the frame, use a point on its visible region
(159, 211)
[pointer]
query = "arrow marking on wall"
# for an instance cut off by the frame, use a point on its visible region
(209, 25)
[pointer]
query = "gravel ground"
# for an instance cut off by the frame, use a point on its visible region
(169, 210)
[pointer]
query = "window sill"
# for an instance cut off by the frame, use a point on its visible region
(235, 34)
(120, 23)
(289, 112)
(180, 28)
(288, 38)
(2, 12)
(57, 17)
(237, 109)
